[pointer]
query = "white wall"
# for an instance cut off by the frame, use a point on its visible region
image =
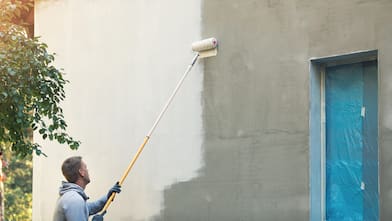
(123, 59)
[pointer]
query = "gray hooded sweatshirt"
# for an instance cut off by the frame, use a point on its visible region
(73, 206)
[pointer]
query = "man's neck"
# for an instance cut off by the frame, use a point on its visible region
(81, 184)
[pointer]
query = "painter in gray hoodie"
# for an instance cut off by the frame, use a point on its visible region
(72, 204)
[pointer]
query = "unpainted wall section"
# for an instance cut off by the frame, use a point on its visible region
(123, 59)
(256, 105)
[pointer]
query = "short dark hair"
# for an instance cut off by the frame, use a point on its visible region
(70, 168)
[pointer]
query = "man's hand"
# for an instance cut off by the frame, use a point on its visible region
(115, 189)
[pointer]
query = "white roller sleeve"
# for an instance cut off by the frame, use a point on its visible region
(204, 45)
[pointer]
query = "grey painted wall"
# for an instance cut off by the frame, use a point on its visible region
(252, 128)
(256, 105)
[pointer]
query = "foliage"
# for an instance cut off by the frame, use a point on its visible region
(18, 188)
(11, 10)
(31, 88)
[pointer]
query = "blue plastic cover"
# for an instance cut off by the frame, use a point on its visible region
(351, 142)
(370, 144)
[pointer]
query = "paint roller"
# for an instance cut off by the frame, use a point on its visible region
(204, 48)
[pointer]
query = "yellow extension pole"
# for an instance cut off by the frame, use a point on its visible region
(139, 151)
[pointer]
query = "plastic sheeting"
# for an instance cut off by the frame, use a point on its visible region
(370, 145)
(351, 143)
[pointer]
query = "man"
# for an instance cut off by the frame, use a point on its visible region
(72, 204)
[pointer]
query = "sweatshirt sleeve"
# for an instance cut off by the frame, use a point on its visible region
(96, 206)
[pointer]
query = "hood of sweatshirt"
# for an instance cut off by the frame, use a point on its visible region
(67, 186)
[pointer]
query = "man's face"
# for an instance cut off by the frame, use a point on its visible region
(84, 172)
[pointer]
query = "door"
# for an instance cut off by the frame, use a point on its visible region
(351, 133)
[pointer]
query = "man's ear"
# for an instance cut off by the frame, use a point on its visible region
(81, 172)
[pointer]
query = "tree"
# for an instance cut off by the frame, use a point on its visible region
(31, 88)
(18, 194)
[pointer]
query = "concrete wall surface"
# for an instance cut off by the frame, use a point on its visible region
(235, 143)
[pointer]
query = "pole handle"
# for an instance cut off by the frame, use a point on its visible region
(139, 151)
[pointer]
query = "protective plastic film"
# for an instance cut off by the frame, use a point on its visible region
(370, 144)
(351, 143)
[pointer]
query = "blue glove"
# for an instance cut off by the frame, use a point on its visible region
(115, 189)
(99, 217)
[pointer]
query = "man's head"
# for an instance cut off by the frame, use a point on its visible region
(75, 171)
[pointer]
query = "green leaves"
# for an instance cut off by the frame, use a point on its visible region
(31, 88)
(18, 184)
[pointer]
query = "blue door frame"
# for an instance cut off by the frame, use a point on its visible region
(344, 140)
